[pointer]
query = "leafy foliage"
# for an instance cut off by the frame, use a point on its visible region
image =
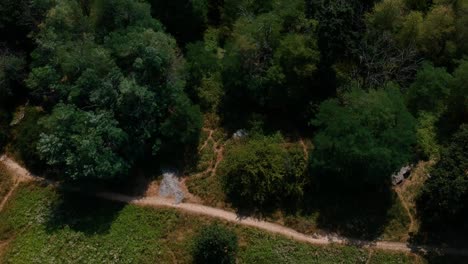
(430, 90)
(82, 144)
(112, 65)
(270, 61)
(362, 138)
(442, 202)
(215, 244)
(260, 172)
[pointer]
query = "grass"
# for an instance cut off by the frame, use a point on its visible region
(368, 217)
(44, 226)
(204, 183)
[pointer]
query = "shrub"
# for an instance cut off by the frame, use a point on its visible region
(261, 172)
(215, 244)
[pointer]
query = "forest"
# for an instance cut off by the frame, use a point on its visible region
(304, 107)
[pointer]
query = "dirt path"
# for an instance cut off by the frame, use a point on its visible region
(8, 195)
(248, 221)
(304, 148)
(19, 175)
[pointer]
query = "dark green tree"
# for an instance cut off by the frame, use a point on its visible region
(442, 202)
(270, 63)
(112, 57)
(362, 138)
(430, 90)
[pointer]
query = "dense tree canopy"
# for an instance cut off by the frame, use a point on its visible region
(362, 138)
(121, 65)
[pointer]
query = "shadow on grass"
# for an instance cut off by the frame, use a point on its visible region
(358, 215)
(83, 213)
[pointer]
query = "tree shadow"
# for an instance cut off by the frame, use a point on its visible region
(360, 215)
(440, 258)
(82, 213)
(446, 233)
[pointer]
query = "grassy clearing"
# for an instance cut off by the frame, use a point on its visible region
(46, 227)
(208, 187)
(367, 217)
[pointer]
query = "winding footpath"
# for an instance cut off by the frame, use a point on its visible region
(21, 174)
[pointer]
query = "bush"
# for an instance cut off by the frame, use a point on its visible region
(215, 244)
(426, 134)
(261, 172)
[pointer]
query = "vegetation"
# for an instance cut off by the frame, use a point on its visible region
(442, 199)
(363, 139)
(70, 228)
(215, 244)
(331, 97)
(260, 173)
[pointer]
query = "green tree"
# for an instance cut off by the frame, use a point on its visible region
(270, 63)
(442, 202)
(430, 90)
(436, 40)
(426, 133)
(457, 103)
(215, 244)
(84, 145)
(112, 57)
(362, 138)
(12, 73)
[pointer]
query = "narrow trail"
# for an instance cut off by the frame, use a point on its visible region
(198, 209)
(304, 148)
(406, 207)
(7, 197)
(19, 175)
(369, 256)
(210, 137)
